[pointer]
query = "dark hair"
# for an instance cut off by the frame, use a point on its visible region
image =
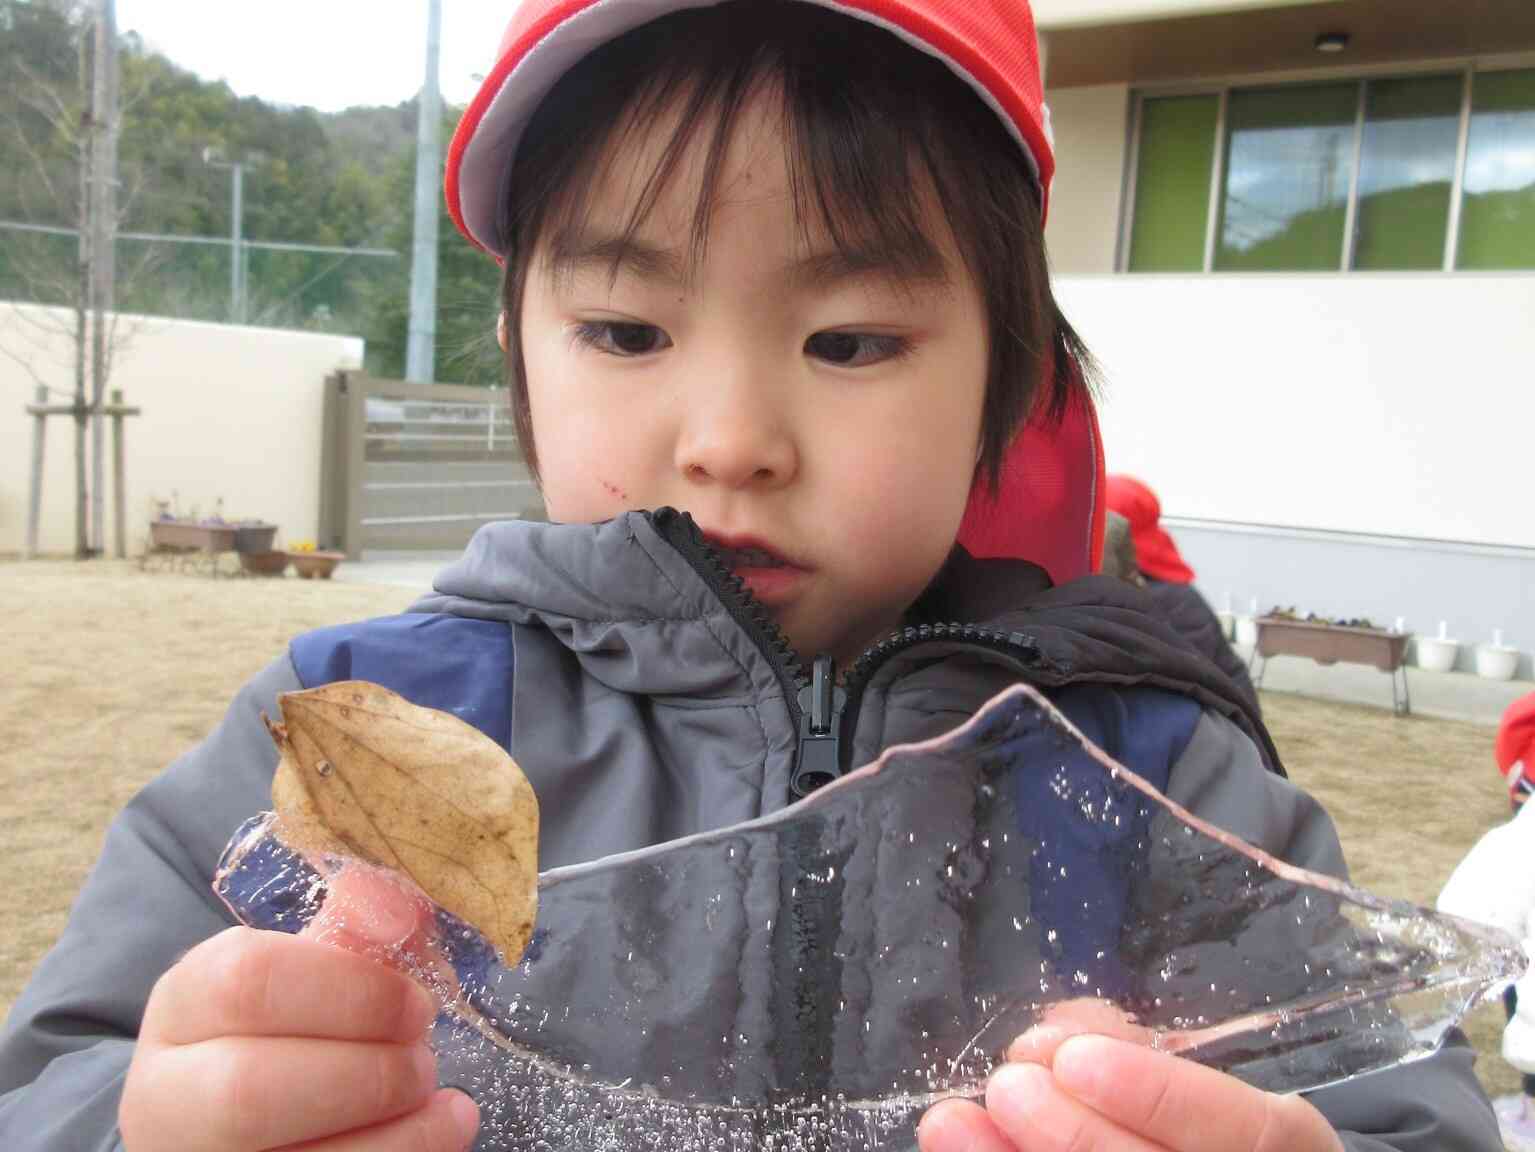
(872, 124)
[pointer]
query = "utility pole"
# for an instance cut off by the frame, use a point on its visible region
(213, 158)
(421, 344)
(103, 248)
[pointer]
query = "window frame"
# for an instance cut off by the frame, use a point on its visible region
(1221, 88)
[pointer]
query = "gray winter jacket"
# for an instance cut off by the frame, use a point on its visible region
(645, 705)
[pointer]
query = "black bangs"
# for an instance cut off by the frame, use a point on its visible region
(877, 133)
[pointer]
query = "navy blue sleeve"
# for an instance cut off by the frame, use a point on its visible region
(449, 663)
(1088, 850)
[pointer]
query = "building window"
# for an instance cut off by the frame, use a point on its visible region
(1399, 173)
(1289, 160)
(1497, 223)
(1407, 172)
(1172, 190)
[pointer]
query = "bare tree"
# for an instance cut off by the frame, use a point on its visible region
(82, 124)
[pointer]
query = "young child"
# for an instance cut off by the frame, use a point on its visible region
(1495, 884)
(780, 266)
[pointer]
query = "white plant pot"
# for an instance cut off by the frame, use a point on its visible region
(1247, 631)
(1494, 663)
(1436, 654)
(1228, 624)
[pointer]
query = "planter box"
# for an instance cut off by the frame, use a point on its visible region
(1327, 644)
(187, 536)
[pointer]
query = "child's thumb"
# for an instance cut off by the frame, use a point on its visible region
(367, 910)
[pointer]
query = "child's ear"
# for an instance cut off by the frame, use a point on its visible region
(501, 331)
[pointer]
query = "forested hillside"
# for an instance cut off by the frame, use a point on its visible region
(342, 179)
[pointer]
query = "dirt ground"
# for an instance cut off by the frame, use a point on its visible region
(109, 673)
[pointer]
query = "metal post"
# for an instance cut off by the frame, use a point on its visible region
(421, 342)
(355, 422)
(236, 255)
(35, 495)
(119, 479)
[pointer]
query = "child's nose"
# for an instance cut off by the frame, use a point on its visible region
(735, 438)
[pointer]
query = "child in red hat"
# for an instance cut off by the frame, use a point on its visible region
(1514, 750)
(1495, 884)
(822, 476)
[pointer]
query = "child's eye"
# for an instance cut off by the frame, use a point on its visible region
(618, 338)
(855, 349)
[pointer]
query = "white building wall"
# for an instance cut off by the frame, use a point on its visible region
(1387, 404)
(229, 412)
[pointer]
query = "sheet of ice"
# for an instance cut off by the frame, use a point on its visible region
(816, 978)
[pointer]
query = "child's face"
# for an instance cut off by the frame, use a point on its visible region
(820, 422)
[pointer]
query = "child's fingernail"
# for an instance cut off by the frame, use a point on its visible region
(466, 1115)
(1037, 1044)
(1080, 1066)
(939, 1133)
(1016, 1089)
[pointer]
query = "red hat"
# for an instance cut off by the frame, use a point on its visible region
(1155, 553)
(990, 44)
(1516, 737)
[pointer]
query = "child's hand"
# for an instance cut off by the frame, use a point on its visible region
(1085, 1081)
(261, 1040)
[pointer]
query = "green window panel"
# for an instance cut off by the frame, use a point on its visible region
(1407, 172)
(1497, 221)
(1172, 184)
(1289, 166)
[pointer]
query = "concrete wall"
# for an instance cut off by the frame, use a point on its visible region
(229, 412)
(1388, 408)
(1472, 590)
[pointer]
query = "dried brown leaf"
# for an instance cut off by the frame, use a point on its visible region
(366, 773)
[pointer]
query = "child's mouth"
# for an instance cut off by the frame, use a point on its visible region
(772, 579)
(742, 559)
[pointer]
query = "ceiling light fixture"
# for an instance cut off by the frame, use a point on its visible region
(1332, 42)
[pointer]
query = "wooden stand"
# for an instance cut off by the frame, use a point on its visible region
(1330, 644)
(40, 411)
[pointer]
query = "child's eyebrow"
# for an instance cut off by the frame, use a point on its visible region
(570, 252)
(912, 260)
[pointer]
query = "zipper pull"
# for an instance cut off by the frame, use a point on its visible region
(819, 759)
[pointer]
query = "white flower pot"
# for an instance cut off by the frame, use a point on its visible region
(1228, 624)
(1247, 631)
(1436, 654)
(1496, 663)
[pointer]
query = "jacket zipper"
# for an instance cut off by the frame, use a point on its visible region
(821, 709)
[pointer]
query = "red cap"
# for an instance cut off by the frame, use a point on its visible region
(990, 44)
(1155, 553)
(1516, 736)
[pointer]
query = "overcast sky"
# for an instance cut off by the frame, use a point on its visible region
(329, 54)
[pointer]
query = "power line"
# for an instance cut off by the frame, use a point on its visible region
(222, 241)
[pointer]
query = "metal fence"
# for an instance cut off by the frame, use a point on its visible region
(417, 466)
